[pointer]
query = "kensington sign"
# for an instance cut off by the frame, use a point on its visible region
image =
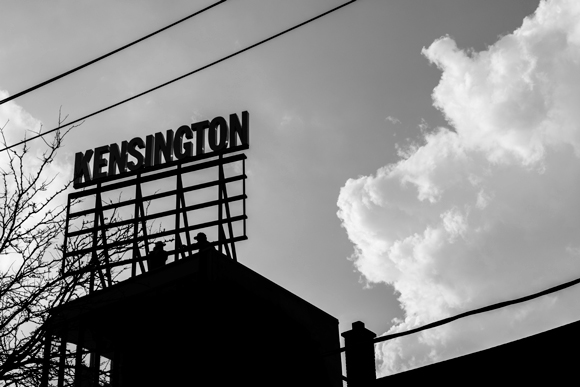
(186, 144)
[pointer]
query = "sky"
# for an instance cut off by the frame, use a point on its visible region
(409, 159)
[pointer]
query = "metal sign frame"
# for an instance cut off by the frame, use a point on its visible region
(101, 259)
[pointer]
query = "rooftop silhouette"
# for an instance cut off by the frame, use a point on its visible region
(207, 319)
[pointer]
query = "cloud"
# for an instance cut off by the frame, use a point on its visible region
(17, 124)
(489, 210)
(393, 120)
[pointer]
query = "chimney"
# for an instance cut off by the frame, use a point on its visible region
(360, 355)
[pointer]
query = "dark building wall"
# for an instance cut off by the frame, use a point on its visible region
(207, 319)
(549, 358)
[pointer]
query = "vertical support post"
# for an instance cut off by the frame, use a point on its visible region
(116, 368)
(181, 199)
(105, 249)
(220, 210)
(244, 191)
(93, 262)
(224, 201)
(136, 253)
(178, 194)
(227, 249)
(95, 367)
(46, 360)
(79, 357)
(98, 216)
(62, 360)
(138, 210)
(360, 355)
(143, 226)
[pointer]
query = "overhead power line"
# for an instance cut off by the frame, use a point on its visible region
(481, 310)
(470, 313)
(19, 94)
(180, 77)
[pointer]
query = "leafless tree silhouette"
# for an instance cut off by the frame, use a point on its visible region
(32, 220)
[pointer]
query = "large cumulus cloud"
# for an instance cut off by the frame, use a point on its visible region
(488, 209)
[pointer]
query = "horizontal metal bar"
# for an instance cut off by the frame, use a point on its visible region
(158, 196)
(130, 261)
(157, 235)
(150, 177)
(156, 215)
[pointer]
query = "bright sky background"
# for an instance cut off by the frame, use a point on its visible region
(432, 221)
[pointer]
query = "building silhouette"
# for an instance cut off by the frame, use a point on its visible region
(547, 358)
(206, 320)
(209, 320)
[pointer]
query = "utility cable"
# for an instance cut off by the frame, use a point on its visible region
(481, 310)
(470, 313)
(180, 77)
(19, 94)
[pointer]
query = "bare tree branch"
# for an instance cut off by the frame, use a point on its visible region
(31, 229)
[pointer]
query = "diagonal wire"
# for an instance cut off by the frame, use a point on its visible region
(10, 98)
(180, 77)
(469, 313)
(481, 310)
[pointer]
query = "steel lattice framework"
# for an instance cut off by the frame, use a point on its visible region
(111, 244)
